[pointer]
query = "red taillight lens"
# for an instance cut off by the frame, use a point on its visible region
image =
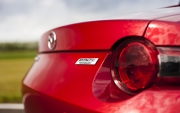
(136, 64)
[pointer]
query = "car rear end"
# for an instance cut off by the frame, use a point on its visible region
(106, 66)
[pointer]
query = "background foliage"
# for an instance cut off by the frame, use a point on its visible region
(15, 60)
(18, 46)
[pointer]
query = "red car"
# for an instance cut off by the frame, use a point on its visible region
(116, 65)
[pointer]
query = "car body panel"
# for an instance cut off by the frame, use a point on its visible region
(89, 35)
(164, 31)
(148, 101)
(56, 84)
(62, 78)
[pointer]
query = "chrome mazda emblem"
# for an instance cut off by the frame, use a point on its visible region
(52, 40)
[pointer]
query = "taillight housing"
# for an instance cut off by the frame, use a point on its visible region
(135, 65)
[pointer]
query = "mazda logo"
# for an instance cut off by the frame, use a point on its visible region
(52, 40)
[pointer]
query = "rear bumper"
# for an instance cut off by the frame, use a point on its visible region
(41, 103)
(56, 84)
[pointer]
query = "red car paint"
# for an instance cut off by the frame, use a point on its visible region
(72, 37)
(165, 36)
(56, 84)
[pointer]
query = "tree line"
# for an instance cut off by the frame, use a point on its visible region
(19, 46)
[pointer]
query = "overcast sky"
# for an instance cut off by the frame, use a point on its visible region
(27, 20)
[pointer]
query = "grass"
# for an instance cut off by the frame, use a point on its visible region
(13, 67)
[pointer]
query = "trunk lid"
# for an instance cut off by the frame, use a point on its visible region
(97, 35)
(102, 35)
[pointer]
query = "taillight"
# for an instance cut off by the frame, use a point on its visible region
(135, 65)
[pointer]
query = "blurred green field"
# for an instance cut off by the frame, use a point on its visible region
(13, 67)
